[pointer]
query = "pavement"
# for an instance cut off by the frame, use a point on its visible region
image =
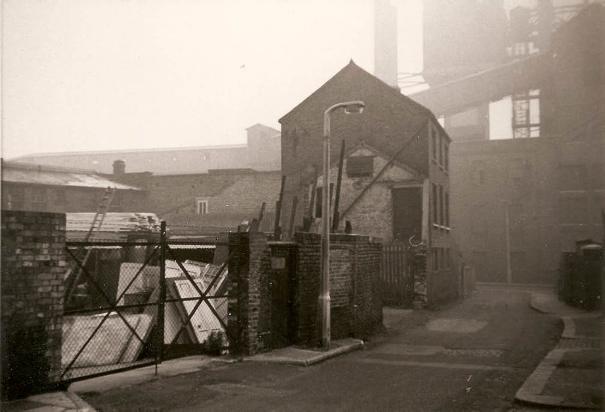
(70, 401)
(49, 402)
(571, 374)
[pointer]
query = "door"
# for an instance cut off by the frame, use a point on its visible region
(407, 213)
(283, 266)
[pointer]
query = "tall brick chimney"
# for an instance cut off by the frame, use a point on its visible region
(385, 42)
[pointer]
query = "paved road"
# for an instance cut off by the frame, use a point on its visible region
(470, 356)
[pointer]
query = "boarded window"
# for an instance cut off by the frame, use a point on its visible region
(360, 166)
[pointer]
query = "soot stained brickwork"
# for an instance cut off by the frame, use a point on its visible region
(356, 301)
(33, 266)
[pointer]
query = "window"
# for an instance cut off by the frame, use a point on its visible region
(440, 144)
(446, 156)
(441, 206)
(433, 142)
(574, 209)
(572, 177)
(436, 258)
(60, 197)
(478, 222)
(39, 199)
(478, 175)
(319, 199)
(360, 166)
(447, 209)
(16, 198)
(201, 206)
(435, 208)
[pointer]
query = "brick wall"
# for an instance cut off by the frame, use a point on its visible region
(356, 305)
(386, 123)
(33, 266)
(248, 269)
(354, 282)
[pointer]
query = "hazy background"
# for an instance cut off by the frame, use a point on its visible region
(118, 74)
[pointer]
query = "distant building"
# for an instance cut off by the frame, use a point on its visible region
(395, 176)
(260, 153)
(551, 187)
(211, 202)
(58, 189)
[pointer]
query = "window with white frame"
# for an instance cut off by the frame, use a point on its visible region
(201, 206)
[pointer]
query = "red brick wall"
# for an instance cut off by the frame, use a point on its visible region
(33, 266)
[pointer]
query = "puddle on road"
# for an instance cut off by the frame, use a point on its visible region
(456, 325)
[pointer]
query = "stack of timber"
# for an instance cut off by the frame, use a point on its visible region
(116, 226)
(114, 343)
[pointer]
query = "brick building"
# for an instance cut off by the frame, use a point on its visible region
(59, 189)
(261, 152)
(395, 174)
(215, 201)
(551, 185)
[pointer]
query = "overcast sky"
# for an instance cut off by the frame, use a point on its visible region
(117, 74)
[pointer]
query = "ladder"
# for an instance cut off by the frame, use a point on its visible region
(102, 209)
(95, 226)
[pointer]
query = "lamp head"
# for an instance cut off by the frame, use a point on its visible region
(355, 108)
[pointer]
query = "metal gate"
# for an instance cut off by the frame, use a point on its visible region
(133, 304)
(396, 277)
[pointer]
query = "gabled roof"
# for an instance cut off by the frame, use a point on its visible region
(27, 173)
(353, 71)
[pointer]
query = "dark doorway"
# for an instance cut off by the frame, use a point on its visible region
(283, 266)
(407, 213)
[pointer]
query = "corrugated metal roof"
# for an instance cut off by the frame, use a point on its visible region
(15, 172)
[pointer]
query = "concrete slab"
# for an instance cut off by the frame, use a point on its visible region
(456, 325)
(307, 357)
(136, 376)
(49, 402)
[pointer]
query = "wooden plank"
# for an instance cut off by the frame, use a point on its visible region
(203, 321)
(134, 346)
(106, 346)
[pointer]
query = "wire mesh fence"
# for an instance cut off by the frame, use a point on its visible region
(133, 304)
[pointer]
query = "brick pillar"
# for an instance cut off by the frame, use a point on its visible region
(308, 277)
(246, 266)
(33, 268)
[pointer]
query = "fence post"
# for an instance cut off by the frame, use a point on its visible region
(162, 286)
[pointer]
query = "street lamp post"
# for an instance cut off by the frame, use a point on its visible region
(355, 106)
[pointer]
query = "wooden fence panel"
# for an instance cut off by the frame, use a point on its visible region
(396, 278)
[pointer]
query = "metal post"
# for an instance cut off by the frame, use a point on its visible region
(355, 106)
(162, 286)
(324, 295)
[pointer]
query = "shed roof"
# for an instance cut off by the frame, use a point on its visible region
(27, 173)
